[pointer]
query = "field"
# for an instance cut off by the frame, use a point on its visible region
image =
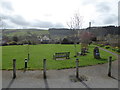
(39, 52)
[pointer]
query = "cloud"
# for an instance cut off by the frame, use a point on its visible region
(8, 21)
(45, 24)
(105, 20)
(87, 2)
(58, 25)
(18, 21)
(111, 19)
(16, 14)
(6, 24)
(103, 7)
(42, 24)
(15, 19)
(6, 5)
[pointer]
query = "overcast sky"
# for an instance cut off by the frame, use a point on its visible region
(56, 13)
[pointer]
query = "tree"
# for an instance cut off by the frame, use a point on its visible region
(86, 37)
(75, 22)
(15, 38)
(113, 40)
(5, 40)
(65, 41)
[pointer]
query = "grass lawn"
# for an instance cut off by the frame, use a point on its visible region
(39, 52)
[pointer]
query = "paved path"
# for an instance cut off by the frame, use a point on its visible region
(96, 78)
(109, 52)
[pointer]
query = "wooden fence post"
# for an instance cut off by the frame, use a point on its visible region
(44, 68)
(14, 68)
(109, 65)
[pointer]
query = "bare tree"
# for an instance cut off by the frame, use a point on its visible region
(75, 21)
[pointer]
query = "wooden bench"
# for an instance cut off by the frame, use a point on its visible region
(61, 55)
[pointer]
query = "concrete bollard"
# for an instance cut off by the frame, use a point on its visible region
(109, 66)
(44, 68)
(14, 68)
(26, 61)
(77, 69)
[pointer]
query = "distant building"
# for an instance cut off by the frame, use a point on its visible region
(45, 38)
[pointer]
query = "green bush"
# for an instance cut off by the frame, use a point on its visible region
(113, 49)
(118, 50)
(107, 47)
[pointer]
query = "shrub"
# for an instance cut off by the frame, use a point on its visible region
(19, 43)
(12, 43)
(66, 41)
(118, 50)
(113, 49)
(4, 44)
(57, 42)
(107, 47)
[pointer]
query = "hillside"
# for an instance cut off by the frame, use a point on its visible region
(23, 32)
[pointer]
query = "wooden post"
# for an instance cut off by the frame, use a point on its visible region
(14, 68)
(109, 65)
(25, 63)
(77, 69)
(44, 68)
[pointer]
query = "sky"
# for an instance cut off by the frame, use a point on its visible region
(56, 13)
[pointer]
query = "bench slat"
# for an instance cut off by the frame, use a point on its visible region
(61, 55)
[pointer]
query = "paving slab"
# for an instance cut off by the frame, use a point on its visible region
(97, 78)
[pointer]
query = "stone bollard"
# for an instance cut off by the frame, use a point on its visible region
(14, 68)
(109, 65)
(77, 69)
(44, 68)
(26, 63)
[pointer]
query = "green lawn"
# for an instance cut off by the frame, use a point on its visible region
(39, 52)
